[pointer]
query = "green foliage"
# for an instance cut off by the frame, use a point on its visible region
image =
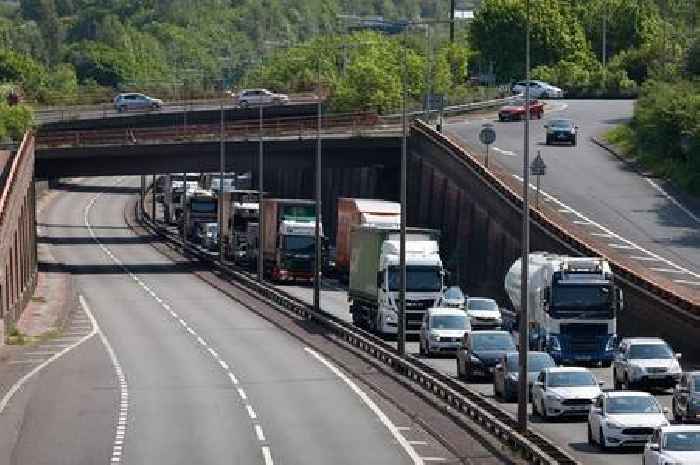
(499, 29)
(21, 69)
(692, 59)
(587, 81)
(14, 121)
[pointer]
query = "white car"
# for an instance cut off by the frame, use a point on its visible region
(256, 97)
(647, 361)
(442, 330)
(673, 445)
(452, 297)
(538, 89)
(564, 391)
(624, 419)
(484, 313)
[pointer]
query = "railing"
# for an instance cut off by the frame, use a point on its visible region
(291, 126)
(533, 446)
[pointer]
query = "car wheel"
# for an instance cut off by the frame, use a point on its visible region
(543, 411)
(421, 351)
(460, 371)
(548, 141)
(501, 118)
(427, 348)
(573, 142)
(601, 440)
(155, 106)
(539, 114)
(677, 417)
(121, 109)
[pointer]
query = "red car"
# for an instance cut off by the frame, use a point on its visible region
(516, 110)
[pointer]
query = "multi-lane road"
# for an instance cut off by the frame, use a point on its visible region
(159, 367)
(634, 215)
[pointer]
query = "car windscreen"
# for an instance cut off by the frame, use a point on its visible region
(682, 441)
(570, 379)
(632, 404)
(300, 244)
(501, 341)
(482, 304)
(535, 362)
(561, 124)
(448, 322)
(650, 351)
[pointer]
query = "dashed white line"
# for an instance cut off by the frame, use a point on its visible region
(386, 421)
(644, 259)
(621, 246)
(629, 244)
(684, 281)
(242, 393)
(666, 270)
(121, 425)
(123, 386)
(259, 433)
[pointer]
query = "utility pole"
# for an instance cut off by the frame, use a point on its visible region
(523, 329)
(452, 20)
(401, 340)
(222, 168)
(153, 199)
(317, 278)
(261, 216)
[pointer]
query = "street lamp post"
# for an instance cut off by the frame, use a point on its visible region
(523, 329)
(222, 167)
(318, 269)
(401, 339)
(261, 216)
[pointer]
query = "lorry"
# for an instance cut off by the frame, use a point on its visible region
(200, 207)
(175, 187)
(241, 208)
(289, 229)
(375, 279)
(573, 303)
(364, 212)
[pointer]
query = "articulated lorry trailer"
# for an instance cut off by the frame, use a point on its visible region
(573, 304)
(375, 277)
(360, 212)
(289, 242)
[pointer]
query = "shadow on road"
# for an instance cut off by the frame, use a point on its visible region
(148, 268)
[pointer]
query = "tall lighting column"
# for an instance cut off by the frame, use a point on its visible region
(523, 329)
(261, 216)
(401, 339)
(317, 267)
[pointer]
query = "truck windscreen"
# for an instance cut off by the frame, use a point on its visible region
(418, 279)
(581, 301)
(299, 244)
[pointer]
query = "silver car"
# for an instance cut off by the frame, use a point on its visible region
(134, 101)
(442, 330)
(256, 97)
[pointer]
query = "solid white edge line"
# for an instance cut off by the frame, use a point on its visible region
(259, 433)
(267, 455)
(673, 200)
(18, 385)
(415, 458)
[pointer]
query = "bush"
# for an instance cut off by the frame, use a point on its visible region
(588, 80)
(14, 121)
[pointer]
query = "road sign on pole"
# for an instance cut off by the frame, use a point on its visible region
(538, 168)
(487, 136)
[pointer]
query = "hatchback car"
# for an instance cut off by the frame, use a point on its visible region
(506, 374)
(133, 101)
(686, 398)
(484, 313)
(538, 89)
(442, 330)
(624, 419)
(481, 351)
(673, 445)
(561, 130)
(256, 97)
(564, 391)
(645, 361)
(452, 297)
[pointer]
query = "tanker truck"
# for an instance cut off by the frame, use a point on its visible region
(573, 304)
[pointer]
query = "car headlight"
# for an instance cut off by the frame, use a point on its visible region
(675, 368)
(613, 425)
(553, 396)
(638, 370)
(390, 317)
(554, 343)
(513, 376)
(434, 337)
(475, 360)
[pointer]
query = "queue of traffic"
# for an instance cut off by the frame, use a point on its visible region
(573, 305)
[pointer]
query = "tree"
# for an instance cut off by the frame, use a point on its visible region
(498, 34)
(23, 70)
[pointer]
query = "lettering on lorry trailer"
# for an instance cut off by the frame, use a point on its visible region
(573, 304)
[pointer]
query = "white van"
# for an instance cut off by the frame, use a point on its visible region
(442, 330)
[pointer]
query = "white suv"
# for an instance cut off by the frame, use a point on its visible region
(256, 97)
(647, 361)
(624, 419)
(538, 89)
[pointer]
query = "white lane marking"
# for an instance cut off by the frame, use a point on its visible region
(39, 354)
(630, 244)
(418, 443)
(123, 385)
(644, 259)
(393, 429)
(121, 425)
(508, 153)
(23, 380)
(434, 459)
(683, 281)
(673, 200)
(259, 433)
(241, 393)
(581, 222)
(24, 362)
(666, 270)
(621, 246)
(251, 412)
(564, 210)
(605, 235)
(403, 428)
(267, 455)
